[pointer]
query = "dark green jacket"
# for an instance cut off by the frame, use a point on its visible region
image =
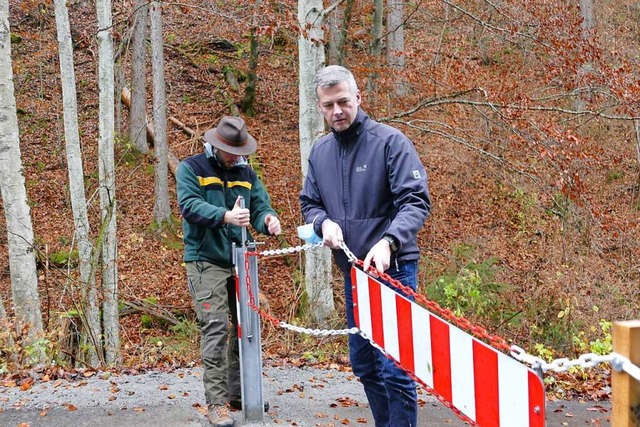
(206, 190)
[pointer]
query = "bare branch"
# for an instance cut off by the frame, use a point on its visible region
(455, 99)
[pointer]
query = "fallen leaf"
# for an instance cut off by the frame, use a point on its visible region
(138, 409)
(70, 407)
(26, 384)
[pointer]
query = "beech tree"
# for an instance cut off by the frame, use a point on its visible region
(338, 23)
(162, 209)
(91, 308)
(137, 110)
(375, 46)
(311, 59)
(106, 172)
(22, 260)
(588, 27)
(395, 43)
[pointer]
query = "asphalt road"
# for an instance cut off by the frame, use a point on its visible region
(304, 397)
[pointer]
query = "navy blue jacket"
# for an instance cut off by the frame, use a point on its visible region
(369, 180)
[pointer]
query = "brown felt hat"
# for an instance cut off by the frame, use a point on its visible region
(231, 136)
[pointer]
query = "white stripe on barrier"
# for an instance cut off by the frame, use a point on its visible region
(422, 347)
(514, 398)
(391, 344)
(462, 381)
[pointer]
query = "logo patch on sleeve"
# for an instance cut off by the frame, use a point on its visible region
(416, 174)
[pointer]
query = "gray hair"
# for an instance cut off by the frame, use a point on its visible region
(332, 75)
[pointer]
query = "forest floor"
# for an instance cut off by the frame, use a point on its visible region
(303, 397)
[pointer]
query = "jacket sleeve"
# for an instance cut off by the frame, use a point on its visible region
(311, 204)
(409, 186)
(260, 206)
(193, 206)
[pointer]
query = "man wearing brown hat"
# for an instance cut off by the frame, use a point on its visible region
(210, 186)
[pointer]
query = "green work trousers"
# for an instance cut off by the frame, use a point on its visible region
(213, 292)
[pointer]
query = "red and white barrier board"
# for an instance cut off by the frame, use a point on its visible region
(488, 386)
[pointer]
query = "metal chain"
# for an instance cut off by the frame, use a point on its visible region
(318, 332)
(558, 365)
(464, 324)
(284, 251)
(586, 361)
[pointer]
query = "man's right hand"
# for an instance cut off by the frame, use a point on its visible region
(237, 216)
(331, 234)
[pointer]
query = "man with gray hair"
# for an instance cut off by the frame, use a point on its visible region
(367, 187)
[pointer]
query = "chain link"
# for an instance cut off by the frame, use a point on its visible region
(352, 258)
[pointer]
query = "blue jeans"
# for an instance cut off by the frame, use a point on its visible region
(391, 392)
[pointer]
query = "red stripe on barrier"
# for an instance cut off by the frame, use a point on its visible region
(441, 357)
(536, 401)
(354, 293)
(485, 376)
(405, 333)
(375, 303)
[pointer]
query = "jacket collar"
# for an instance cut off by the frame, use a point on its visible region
(353, 131)
(210, 152)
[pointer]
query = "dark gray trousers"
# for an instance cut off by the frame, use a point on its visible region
(213, 290)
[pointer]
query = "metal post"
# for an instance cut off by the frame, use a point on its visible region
(249, 335)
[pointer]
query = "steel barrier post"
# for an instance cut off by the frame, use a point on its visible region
(625, 388)
(249, 338)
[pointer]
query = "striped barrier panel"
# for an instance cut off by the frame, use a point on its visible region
(488, 386)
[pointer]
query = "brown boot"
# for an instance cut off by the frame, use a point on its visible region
(219, 416)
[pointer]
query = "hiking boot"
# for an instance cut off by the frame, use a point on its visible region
(236, 403)
(219, 416)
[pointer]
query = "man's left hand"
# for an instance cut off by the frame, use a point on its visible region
(380, 254)
(273, 225)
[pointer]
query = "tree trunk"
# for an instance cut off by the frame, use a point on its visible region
(395, 44)
(22, 260)
(162, 209)
(375, 48)
(588, 26)
(249, 102)
(138, 117)
(106, 171)
(339, 20)
(311, 59)
(91, 310)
